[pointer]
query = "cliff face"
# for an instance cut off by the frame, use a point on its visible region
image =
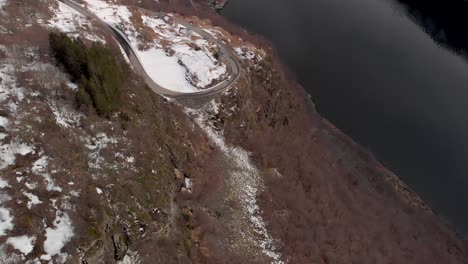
(254, 176)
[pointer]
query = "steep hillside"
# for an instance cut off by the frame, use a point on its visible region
(253, 176)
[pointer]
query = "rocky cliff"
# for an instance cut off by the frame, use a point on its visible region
(253, 176)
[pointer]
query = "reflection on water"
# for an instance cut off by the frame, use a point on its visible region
(380, 78)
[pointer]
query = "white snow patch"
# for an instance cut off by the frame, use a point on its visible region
(8, 257)
(69, 21)
(4, 122)
(40, 168)
(24, 244)
(202, 69)
(72, 86)
(40, 165)
(66, 19)
(9, 151)
(246, 177)
(112, 14)
(64, 116)
(95, 145)
(131, 257)
(3, 3)
(165, 70)
(31, 186)
(6, 221)
(54, 203)
(33, 199)
(10, 93)
(245, 53)
(188, 184)
(3, 184)
(58, 236)
(98, 190)
(4, 197)
(125, 55)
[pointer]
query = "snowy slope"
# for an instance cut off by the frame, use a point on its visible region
(69, 21)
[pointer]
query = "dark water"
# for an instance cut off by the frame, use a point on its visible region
(383, 80)
(444, 20)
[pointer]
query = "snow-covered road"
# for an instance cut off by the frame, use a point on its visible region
(190, 99)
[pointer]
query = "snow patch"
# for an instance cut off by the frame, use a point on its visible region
(33, 199)
(124, 54)
(72, 86)
(10, 93)
(131, 257)
(9, 151)
(95, 145)
(3, 3)
(30, 186)
(3, 184)
(112, 14)
(40, 168)
(244, 53)
(8, 257)
(64, 116)
(69, 21)
(165, 70)
(24, 244)
(202, 69)
(58, 236)
(246, 181)
(4, 122)
(188, 184)
(6, 221)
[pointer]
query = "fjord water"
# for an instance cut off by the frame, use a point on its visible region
(382, 80)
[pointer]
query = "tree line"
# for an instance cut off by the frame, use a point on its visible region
(94, 69)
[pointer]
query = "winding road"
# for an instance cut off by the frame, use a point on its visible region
(194, 99)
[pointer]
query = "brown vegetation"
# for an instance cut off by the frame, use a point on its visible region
(326, 199)
(332, 201)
